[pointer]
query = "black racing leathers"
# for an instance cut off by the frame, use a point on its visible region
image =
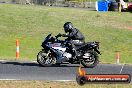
(74, 34)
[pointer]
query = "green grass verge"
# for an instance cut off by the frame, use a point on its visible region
(30, 24)
(48, 84)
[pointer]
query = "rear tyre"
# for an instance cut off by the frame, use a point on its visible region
(91, 59)
(114, 6)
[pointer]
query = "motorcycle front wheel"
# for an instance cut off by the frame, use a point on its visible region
(44, 59)
(90, 59)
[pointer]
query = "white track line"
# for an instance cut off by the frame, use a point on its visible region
(64, 80)
(34, 61)
(51, 80)
(8, 79)
(121, 68)
(3, 60)
(15, 60)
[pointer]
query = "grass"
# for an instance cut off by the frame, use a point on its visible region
(30, 24)
(71, 0)
(47, 84)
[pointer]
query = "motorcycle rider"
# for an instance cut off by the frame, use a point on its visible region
(75, 37)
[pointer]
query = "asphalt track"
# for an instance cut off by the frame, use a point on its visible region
(14, 70)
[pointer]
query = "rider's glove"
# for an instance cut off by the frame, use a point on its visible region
(59, 35)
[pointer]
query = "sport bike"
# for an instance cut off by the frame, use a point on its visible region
(56, 52)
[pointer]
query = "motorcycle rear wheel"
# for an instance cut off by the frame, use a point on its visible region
(93, 56)
(45, 60)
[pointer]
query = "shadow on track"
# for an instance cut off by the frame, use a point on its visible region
(36, 64)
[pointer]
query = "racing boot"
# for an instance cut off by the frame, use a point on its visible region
(74, 54)
(73, 59)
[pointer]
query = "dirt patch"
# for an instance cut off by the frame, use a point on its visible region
(129, 28)
(122, 27)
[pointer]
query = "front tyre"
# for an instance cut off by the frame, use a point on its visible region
(90, 59)
(45, 59)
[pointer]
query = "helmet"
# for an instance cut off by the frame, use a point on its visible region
(68, 27)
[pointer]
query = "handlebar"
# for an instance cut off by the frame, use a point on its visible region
(57, 36)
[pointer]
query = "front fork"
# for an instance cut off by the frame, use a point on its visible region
(97, 51)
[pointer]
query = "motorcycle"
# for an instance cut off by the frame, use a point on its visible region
(56, 52)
